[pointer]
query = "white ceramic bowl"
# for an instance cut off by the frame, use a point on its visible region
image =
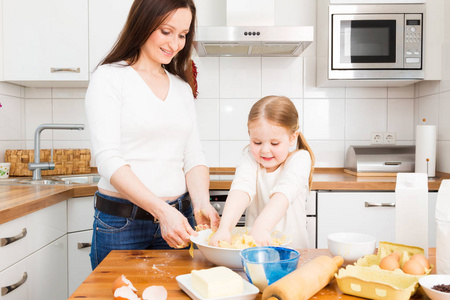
(351, 245)
(222, 256)
(427, 282)
(4, 170)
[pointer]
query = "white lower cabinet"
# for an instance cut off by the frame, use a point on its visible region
(27, 234)
(80, 216)
(311, 219)
(41, 275)
(366, 212)
(79, 263)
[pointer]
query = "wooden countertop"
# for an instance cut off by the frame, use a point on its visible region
(337, 180)
(160, 267)
(19, 200)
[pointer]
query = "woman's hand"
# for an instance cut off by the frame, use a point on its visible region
(206, 217)
(175, 228)
(220, 235)
(261, 236)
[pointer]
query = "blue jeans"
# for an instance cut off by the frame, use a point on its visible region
(118, 233)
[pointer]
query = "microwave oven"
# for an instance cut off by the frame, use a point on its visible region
(376, 41)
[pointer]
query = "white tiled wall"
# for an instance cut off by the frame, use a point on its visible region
(332, 119)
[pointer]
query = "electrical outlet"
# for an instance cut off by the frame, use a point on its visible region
(389, 138)
(377, 138)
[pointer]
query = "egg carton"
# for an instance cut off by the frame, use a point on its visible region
(367, 280)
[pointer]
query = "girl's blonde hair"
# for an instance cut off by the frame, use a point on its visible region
(280, 111)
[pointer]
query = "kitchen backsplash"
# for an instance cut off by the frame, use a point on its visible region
(331, 118)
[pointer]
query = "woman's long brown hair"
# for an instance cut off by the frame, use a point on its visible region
(144, 18)
(280, 111)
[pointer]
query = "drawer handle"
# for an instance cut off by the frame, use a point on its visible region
(83, 245)
(371, 204)
(392, 163)
(8, 289)
(73, 70)
(10, 240)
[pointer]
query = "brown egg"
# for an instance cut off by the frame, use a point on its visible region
(390, 263)
(422, 260)
(154, 292)
(396, 255)
(122, 281)
(413, 267)
(125, 293)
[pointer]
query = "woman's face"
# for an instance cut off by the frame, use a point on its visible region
(166, 41)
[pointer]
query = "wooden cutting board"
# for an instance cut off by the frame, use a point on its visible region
(370, 174)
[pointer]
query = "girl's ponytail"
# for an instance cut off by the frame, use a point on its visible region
(303, 145)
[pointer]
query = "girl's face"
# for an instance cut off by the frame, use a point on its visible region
(166, 41)
(270, 143)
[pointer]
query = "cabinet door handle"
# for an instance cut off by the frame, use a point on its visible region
(371, 204)
(9, 240)
(83, 245)
(9, 288)
(73, 70)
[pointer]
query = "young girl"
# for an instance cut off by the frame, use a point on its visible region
(270, 180)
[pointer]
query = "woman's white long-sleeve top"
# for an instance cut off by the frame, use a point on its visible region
(130, 125)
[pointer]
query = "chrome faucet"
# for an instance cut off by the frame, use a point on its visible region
(37, 166)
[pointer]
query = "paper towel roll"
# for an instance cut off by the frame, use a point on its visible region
(426, 149)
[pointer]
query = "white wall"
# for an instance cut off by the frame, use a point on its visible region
(433, 101)
(331, 118)
(12, 122)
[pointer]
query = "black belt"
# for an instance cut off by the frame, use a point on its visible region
(125, 210)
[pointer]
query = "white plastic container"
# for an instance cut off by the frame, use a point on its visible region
(411, 210)
(442, 215)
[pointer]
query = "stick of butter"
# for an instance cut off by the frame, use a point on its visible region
(217, 282)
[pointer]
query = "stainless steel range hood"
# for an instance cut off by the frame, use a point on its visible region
(251, 31)
(253, 41)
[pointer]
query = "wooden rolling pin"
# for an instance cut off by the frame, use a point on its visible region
(306, 281)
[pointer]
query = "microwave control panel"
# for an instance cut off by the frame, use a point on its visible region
(413, 41)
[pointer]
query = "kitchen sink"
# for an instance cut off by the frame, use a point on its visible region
(54, 180)
(44, 181)
(80, 179)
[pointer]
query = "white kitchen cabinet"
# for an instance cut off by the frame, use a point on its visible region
(80, 216)
(46, 274)
(311, 218)
(45, 42)
(79, 263)
(1, 42)
(106, 20)
(31, 232)
(347, 211)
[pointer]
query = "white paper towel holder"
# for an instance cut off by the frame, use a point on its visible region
(425, 161)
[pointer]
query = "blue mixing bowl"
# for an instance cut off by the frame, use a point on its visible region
(265, 265)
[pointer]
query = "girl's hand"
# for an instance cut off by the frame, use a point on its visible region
(261, 237)
(220, 235)
(206, 217)
(175, 228)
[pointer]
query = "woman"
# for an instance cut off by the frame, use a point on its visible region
(141, 115)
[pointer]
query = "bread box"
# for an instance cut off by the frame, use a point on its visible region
(379, 160)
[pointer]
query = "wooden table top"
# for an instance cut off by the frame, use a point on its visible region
(161, 267)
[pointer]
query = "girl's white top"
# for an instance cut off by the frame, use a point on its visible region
(129, 125)
(291, 179)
